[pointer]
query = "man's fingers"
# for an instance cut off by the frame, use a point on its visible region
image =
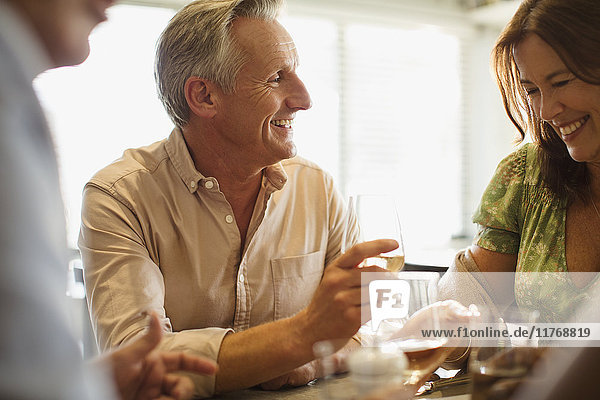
(365, 313)
(353, 297)
(357, 279)
(274, 384)
(184, 362)
(357, 253)
(375, 268)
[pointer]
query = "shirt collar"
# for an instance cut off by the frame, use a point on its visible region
(23, 42)
(182, 160)
(274, 176)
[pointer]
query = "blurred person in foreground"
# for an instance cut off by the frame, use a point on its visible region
(219, 228)
(540, 213)
(39, 357)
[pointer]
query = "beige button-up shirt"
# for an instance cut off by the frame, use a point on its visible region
(158, 235)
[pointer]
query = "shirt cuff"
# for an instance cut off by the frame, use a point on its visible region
(197, 342)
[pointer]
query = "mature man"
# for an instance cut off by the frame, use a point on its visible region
(210, 227)
(39, 357)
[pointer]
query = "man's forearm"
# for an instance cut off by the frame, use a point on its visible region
(262, 353)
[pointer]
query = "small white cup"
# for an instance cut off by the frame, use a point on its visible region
(372, 368)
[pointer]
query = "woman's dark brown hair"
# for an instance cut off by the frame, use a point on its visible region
(572, 29)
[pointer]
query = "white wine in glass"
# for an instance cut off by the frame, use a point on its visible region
(372, 217)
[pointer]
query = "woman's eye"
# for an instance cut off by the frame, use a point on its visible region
(531, 91)
(561, 83)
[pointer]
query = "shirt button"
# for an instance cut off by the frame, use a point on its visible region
(193, 184)
(241, 278)
(209, 184)
(229, 219)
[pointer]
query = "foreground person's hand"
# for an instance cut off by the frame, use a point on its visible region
(141, 372)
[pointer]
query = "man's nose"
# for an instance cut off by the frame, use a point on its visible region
(299, 98)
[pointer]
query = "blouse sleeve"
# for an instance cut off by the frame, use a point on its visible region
(498, 214)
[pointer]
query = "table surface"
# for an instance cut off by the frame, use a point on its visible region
(338, 385)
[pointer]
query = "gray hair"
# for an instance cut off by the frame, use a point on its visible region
(198, 42)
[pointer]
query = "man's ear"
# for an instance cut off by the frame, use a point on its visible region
(200, 95)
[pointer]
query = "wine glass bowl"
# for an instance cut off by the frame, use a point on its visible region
(371, 217)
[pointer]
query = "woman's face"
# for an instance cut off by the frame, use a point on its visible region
(557, 96)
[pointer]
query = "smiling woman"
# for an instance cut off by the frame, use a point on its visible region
(539, 212)
(573, 72)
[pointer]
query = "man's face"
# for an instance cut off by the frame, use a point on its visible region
(258, 116)
(64, 26)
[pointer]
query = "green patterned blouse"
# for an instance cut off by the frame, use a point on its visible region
(518, 214)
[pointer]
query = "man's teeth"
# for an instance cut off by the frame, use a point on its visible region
(567, 130)
(286, 123)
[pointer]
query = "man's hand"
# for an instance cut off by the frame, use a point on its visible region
(336, 307)
(282, 346)
(336, 363)
(298, 377)
(141, 372)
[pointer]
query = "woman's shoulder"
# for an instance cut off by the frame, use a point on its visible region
(509, 186)
(522, 166)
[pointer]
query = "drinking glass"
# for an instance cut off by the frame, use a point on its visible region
(500, 361)
(401, 308)
(371, 217)
(370, 369)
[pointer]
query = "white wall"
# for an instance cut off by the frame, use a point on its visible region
(490, 135)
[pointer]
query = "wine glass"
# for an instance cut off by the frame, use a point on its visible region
(401, 310)
(501, 363)
(371, 217)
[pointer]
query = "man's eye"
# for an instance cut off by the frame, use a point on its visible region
(275, 79)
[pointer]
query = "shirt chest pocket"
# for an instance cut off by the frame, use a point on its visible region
(295, 280)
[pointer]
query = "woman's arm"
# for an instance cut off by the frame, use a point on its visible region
(491, 261)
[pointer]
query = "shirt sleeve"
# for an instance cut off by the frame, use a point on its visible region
(337, 222)
(498, 214)
(124, 284)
